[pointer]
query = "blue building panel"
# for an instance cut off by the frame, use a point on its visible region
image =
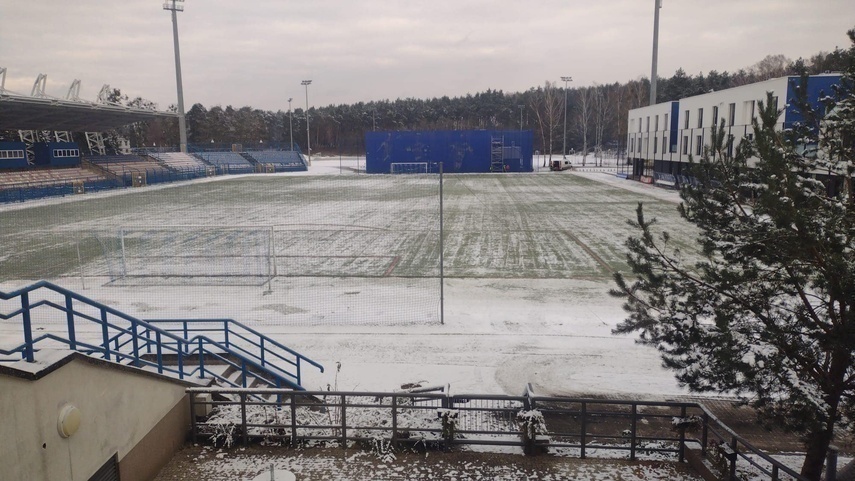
(818, 86)
(13, 155)
(673, 136)
(459, 151)
(57, 153)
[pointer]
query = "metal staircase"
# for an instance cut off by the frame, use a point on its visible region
(497, 154)
(182, 348)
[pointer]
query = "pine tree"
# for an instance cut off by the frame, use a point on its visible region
(768, 313)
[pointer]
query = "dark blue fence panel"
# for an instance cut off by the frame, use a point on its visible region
(25, 193)
(99, 185)
(460, 151)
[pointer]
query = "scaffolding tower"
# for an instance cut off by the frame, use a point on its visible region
(497, 154)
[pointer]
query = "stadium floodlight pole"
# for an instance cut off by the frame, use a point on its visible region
(291, 123)
(174, 7)
(657, 6)
(308, 132)
(521, 111)
(564, 151)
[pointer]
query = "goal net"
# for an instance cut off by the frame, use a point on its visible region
(409, 168)
(239, 255)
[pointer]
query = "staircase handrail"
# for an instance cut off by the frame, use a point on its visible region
(199, 341)
(227, 323)
(27, 348)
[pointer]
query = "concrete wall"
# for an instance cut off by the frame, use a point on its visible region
(119, 408)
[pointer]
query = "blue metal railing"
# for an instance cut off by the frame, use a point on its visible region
(241, 339)
(129, 340)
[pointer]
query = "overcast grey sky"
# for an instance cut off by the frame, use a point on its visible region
(256, 52)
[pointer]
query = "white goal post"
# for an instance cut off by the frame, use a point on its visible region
(409, 168)
(242, 254)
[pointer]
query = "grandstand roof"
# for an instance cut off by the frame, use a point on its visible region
(34, 113)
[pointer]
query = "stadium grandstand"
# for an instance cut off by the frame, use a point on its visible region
(45, 161)
(179, 161)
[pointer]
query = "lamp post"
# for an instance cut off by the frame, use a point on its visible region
(521, 111)
(308, 132)
(566, 80)
(656, 7)
(174, 7)
(291, 123)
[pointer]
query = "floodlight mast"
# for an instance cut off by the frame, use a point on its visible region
(564, 151)
(291, 123)
(657, 6)
(174, 7)
(308, 132)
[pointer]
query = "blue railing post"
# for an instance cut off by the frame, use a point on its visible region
(28, 327)
(243, 371)
(105, 333)
(180, 359)
(69, 315)
(298, 371)
(185, 329)
(159, 352)
(201, 360)
(226, 332)
(136, 344)
(262, 351)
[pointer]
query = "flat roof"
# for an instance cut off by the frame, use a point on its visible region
(34, 113)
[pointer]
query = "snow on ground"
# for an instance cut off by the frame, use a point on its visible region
(499, 333)
(240, 464)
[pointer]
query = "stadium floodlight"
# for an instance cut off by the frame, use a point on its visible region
(566, 80)
(656, 7)
(176, 6)
(306, 83)
(291, 123)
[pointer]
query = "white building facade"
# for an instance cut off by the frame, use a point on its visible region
(654, 148)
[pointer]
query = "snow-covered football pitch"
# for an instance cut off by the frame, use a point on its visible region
(528, 266)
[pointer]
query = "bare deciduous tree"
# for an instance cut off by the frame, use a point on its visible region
(584, 116)
(548, 106)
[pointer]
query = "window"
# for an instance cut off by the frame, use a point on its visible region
(655, 146)
(686, 122)
(664, 144)
(631, 125)
(775, 101)
(715, 116)
(699, 147)
(657, 123)
(11, 154)
(647, 125)
(639, 124)
(632, 145)
(731, 115)
(747, 112)
(665, 127)
(685, 145)
(700, 118)
(730, 145)
(639, 146)
(66, 153)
